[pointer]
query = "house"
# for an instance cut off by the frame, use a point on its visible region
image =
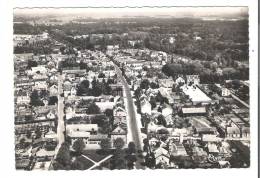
(167, 110)
(51, 115)
(42, 165)
(162, 156)
(22, 163)
(40, 117)
(38, 69)
(202, 126)
(199, 155)
(193, 111)
(152, 127)
(194, 79)
(233, 130)
(153, 141)
(50, 135)
(67, 85)
(105, 105)
(195, 94)
(81, 131)
(43, 154)
(167, 83)
(180, 81)
(112, 47)
(23, 99)
(146, 107)
(119, 115)
(40, 85)
(245, 132)
(172, 39)
(94, 141)
(177, 149)
(180, 132)
(225, 92)
(175, 99)
(169, 120)
(73, 91)
(196, 38)
(210, 138)
(212, 148)
(119, 132)
(53, 90)
(53, 78)
(222, 91)
(37, 77)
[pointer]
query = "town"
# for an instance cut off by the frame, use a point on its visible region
(131, 93)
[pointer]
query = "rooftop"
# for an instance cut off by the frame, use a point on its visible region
(195, 94)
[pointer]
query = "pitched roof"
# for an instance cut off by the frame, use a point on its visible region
(119, 108)
(98, 137)
(160, 151)
(42, 152)
(79, 134)
(82, 127)
(119, 130)
(194, 110)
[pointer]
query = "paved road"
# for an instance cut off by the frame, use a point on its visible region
(136, 132)
(239, 100)
(61, 126)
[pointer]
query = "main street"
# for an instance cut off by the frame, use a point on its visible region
(61, 126)
(136, 132)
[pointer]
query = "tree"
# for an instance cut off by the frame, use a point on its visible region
(35, 99)
(31, 64)
(28, 134)
(85, 83)
(110, 115)
(131, 147)
(145, 84)
(107, 90)
(131, 158)
(99, 120)
(83, 88)
(77, 165)
(22, 140)
(161, 120)
(43, 93)
(137, 92)
(150, 160)
(63, 157)
(109, 112)
(152, 102)
(38, 133)
(163, 131)
(119, 143)
(101, 75)
(119, 163)
(102, 122)
(79, 146)
(159, 97)
(105, 144)
(154, 85)
(93, 109)
(53, 100)
(96, 91)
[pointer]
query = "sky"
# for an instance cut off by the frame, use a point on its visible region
(123, 12)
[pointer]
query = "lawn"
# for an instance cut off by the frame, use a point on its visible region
(96, 155)
(85, 162)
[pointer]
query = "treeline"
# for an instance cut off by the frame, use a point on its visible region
(206, 75)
